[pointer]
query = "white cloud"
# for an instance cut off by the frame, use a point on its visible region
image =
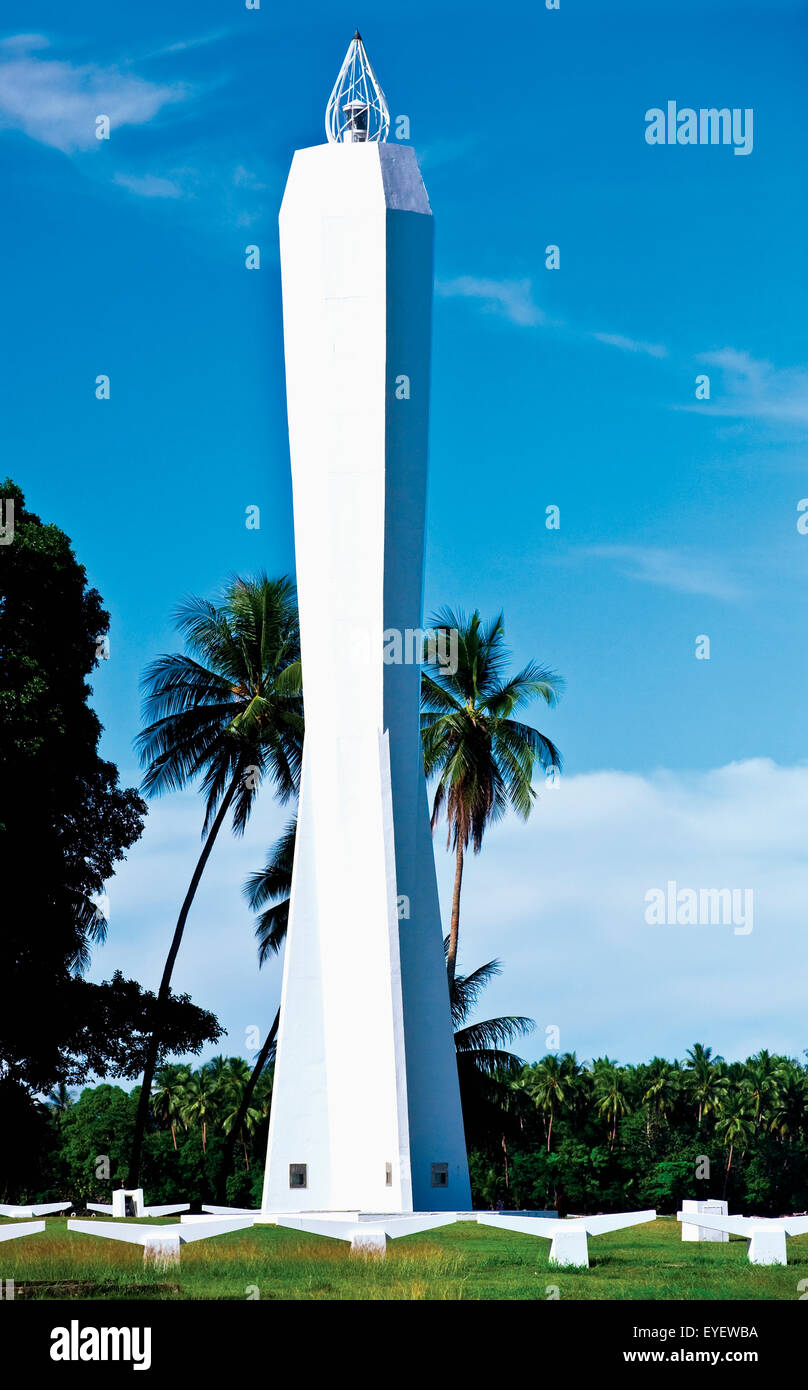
(562, 901)
(149, 185)
(755, 389)
(57, 102)
(217, 964)
(513, 300)
(670, 569)
(617, 340)
(510, 299)
(24, 43)
(184, 45)
(246, 178)
(235, 195)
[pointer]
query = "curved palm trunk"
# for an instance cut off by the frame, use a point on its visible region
(150, 1065)
(726, 1174)
(454, 929)
(235, 1128)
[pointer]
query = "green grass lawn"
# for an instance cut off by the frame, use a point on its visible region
(464, 1261)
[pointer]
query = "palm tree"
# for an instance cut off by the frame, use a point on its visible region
(198, 1101)
(704, 1079)
(545, 1084)
(484, 760)
(483, 1046)
(611, 1099)
(734, 1124)
(660, 1088)
(236, 1117)
(229, 713)
(167, 1098)
(267, 893)
(791, 1109)
(60, 1099)
(485, 1066)
(762, 1083)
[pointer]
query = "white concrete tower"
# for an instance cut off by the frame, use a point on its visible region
(366, 1108)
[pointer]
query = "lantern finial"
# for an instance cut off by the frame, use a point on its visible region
(357, 110)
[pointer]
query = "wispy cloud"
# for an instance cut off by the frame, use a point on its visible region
(514, 300)
(57, 102)
(25, 43)
(751, 388)
(149, 185)
(184, 45)
(509, 299)
(746, 387)
(247, 178)
(237, 196)
(617, 340)
(670, 569)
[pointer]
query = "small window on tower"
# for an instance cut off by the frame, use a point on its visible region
(297, 1175)
(440, 1175)
(388, 1175)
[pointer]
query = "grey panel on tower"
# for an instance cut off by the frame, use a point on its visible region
(403, 186)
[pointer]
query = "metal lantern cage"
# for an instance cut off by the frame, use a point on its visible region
(357, 110)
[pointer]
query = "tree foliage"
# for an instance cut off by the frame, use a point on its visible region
(64, 825)
(603, 1136)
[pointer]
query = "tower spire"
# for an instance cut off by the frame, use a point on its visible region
(357, 110)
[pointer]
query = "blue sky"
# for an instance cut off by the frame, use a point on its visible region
(573, 387)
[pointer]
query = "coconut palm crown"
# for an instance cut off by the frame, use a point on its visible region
(482, 758)
(228, 711)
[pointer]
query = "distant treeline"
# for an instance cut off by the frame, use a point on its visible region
(554, 1134)
(600, 1136)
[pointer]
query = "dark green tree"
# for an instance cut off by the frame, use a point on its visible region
(64, 820)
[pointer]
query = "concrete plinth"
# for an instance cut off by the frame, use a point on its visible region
(569, 1248)
(162, 1251)
(712, 1206)
(128, 1203)
(767, 1245)
(368, 1242)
